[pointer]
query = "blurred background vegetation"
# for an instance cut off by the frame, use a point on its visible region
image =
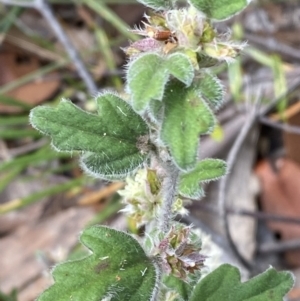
(72, 49)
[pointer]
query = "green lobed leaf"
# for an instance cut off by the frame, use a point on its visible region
(211, 89)
(224, 284)
(117, 270)
(180, 66)
(147, 77)
(186, 116)
(205, 61)
(149, 74)
(112, 169)
(182, 288)
(155, 4)
(220, 9)
(120, 117)
(113, 143)
(205, 171)
(156, 111)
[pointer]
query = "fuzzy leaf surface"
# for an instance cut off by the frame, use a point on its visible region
(211, 89)
(112, 137)
(180, 66)
(147, 77)
(220, 9)
(182, 288)
(205, 61)
(186, 116)
(224, 284)
(118, 268)
(205, 171)
(156, 109)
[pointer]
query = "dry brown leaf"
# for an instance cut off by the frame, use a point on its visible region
(281, 195)
(54, 236)
(15, 64)
(96, 196)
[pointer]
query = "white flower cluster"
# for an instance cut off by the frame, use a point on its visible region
(142, 197)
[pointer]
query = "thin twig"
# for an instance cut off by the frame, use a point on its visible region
(253, 214)
(4, 152)
(46, 10)
(279, 247)
(273, 45)
(21, 3)
(33, 48)
(264, 216)
(223, 183)
(282, 126)
(39, 73)
(266, 109)
(24, 149)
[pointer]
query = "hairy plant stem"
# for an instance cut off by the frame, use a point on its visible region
(169, 187)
